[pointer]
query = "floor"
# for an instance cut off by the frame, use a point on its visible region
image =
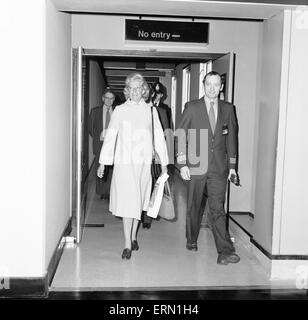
(245, 221)
(162, 262)
(147, 297)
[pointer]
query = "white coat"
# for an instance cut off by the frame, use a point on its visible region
(128, 146)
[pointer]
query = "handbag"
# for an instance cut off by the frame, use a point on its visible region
(155, 165)
(157, 196)
(166, 210)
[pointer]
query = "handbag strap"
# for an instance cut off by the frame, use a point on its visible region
(167, 188)
(153, 141)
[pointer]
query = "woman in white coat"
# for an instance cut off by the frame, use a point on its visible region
(128, 145)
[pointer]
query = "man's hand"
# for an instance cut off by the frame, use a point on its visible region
(235, 179)
(185, 173)
(100, 171)
(231, 172)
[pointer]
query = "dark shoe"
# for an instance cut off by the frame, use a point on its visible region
(192, 246)
(135, 245)
(225, 258)
(146, 225)
(126, 254)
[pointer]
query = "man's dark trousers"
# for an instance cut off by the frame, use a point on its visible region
(212, 187)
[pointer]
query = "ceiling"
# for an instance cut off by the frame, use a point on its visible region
(152, 67)
(188, 8)
(115, 71)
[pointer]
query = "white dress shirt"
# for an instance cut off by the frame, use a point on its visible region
(215, 106)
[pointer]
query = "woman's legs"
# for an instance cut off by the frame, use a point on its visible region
(127, 227)
(130, 226)
(134, 229)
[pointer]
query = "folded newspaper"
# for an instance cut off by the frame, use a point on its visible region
(157, 196)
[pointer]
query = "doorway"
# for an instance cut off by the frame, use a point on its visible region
(114, 66)
(98, 233)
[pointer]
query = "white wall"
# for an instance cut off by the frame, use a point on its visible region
(57, 117)
(22, 183)
(294, 214)
(35, 90)
(241, 37)
(280, 225)
(269, 97)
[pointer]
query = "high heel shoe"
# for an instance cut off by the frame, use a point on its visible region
(126, 254)
(135, 245)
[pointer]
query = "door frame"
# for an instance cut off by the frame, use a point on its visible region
(191, 56)
(153, 54)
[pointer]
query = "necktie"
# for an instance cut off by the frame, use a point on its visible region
(107, 118)
(212, 117)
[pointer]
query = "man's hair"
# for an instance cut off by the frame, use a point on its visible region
(107, 90)
(211, 73)
(157, 87)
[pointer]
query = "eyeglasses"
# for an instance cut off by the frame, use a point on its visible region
(135, 88)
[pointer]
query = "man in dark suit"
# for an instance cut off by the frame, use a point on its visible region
(98, 123)
(164, 113)
(207, 156)
(165, 116)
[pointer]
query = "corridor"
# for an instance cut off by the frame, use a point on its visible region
(162, 262)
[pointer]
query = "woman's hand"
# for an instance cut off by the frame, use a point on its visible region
(100, 171)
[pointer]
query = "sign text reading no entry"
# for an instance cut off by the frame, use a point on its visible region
(172, 31)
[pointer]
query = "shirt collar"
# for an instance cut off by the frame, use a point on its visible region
(208, 105)
(107, 108)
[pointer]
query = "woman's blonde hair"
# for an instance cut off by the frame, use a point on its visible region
(136, 77)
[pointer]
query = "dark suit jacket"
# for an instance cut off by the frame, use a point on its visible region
(163, 116)
(164, 113)
(95, 127)
(222, 148)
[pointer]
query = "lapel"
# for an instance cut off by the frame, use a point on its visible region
(219, 119)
